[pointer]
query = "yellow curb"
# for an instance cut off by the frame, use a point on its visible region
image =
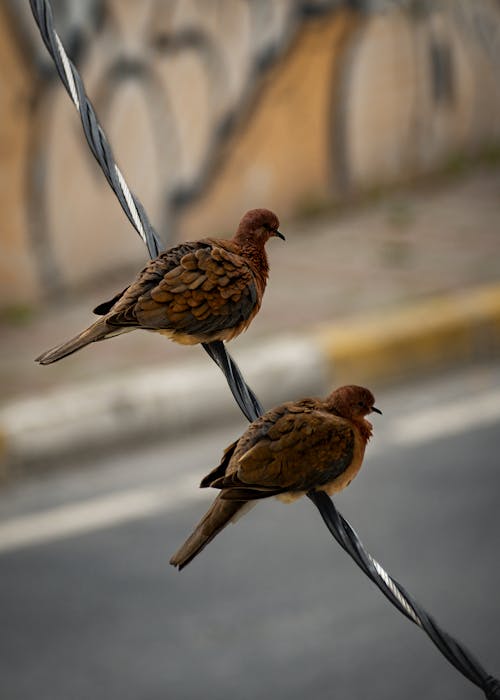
(423, 336)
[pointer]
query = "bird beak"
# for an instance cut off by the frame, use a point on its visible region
(279, 235)
(376, 410)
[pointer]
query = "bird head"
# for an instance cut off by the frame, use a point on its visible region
(352, 402)
(258, 225)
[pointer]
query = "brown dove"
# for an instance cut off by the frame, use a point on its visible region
(292, 449)
(196, 292)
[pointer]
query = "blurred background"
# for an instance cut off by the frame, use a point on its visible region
(213, 106)
(372, 128)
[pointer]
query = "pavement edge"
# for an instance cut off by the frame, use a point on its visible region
(170, 401)
(420, 337)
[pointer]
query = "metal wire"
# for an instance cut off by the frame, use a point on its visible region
(456, 654)
(99, 145)
(94, 133)
(245, 397)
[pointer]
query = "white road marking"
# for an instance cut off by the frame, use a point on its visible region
(106, 511)
(448, 419)
(95, 514)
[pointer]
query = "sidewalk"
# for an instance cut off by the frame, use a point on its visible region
(405, 284)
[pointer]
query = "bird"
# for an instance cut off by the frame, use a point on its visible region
(291, 450)
(196, 292)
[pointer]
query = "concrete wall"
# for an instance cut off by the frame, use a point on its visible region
(280, 157)
(18, 278)
(417, 91)
(215, 108)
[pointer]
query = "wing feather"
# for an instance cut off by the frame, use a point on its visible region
(293, 448)
(196, 288)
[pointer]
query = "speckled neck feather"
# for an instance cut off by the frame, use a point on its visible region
(254, 251)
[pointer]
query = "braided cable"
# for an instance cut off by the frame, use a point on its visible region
(455, 652)
(342, 531)
(94, 133)
(99, 145)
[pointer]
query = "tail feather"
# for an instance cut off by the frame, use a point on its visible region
(219, 514)
(97, 331)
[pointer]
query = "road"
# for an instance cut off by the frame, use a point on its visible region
(272, 608)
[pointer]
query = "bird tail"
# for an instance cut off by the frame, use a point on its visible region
(220, 513)
(97, 331)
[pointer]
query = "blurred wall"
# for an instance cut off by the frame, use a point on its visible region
(18, 271)
(418, 89)
(214, 107)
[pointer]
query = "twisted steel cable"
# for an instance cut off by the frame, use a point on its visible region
(455, 652)
(131, 205)
(341, 530)
(94, 133)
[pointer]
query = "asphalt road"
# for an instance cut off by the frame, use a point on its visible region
(90, 608)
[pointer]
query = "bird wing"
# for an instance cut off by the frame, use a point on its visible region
(300, 449)
(197, 287)
(219, 472)
(105, 307)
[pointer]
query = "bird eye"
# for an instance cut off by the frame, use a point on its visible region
(360, 404)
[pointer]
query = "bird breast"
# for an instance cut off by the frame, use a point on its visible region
(343, 480)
